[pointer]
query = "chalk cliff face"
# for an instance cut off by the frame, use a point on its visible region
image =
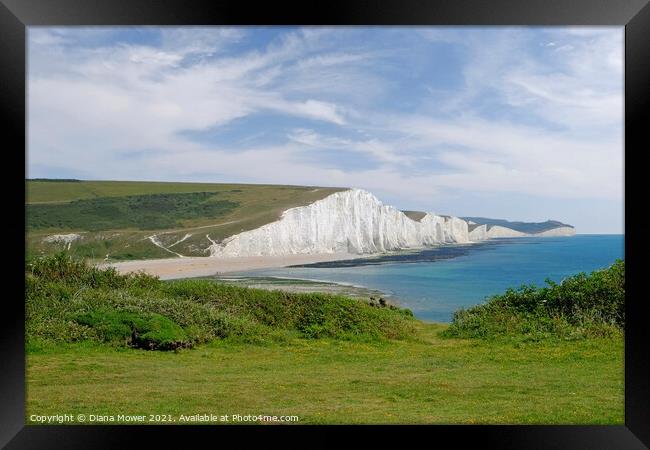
(560, 231)
(478, 233)
(497, 231)
(352, 221)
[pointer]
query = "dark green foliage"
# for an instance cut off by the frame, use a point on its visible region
(580, 306)
(150, 331)
(145, 212)
(66, 301)
(61, 267)
(314, 314)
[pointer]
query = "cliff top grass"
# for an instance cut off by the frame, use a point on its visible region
(426, 380)
(67, 190)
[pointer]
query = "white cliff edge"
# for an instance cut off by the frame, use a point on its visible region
(356, 222)
(559, 231)
(352, 221)
(497, 231)
(478, 233)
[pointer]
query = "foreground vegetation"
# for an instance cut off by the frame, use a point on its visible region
(68, 301)
(428, 379)
(114, 219)
(579, 307)
(98, 344)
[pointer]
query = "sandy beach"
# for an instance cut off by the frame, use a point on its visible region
(189, 267)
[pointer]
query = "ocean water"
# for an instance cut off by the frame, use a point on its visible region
(434, 283)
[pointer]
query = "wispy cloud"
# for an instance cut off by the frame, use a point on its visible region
(419, 115)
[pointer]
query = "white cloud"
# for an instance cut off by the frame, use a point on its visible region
(141, 97)
(578, 85)
(530, 118)
(200, 40)
(374, 149)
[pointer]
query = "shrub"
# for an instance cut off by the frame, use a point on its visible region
(61, 267)
(143, 330)
(66, 301)
(580, 306)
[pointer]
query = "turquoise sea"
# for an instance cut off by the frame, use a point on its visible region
(433, 283)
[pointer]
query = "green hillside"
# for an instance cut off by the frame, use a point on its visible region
(118, 220)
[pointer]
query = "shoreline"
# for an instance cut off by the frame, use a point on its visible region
(192, 267)
(208, 266)
(304, 286)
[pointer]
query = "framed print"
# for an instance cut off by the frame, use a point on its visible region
(402, 214)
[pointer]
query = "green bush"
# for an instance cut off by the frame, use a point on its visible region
(580, 306)
(61, 267)
(151, 331)
(67, 300)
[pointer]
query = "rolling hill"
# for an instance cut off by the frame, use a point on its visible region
(118, 220)
(128, 220)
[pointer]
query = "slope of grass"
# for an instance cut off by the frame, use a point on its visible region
(68, 301)
(145, 212)
(108, 216)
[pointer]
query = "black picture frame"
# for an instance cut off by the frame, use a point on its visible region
(16, 15)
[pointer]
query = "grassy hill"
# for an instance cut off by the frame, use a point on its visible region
(98, 343)
(524, 227)
(115, 220)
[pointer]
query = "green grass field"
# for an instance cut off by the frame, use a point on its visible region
(98, 343)
(428, 379)
(114, 219)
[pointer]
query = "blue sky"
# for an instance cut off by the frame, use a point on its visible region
(521, 123)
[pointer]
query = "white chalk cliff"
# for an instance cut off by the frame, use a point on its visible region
(355, 221)
(559, 231)
(352, 221)
(498, 231)
(478, 233)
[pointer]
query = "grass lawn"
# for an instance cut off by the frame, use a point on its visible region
(424, 379)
